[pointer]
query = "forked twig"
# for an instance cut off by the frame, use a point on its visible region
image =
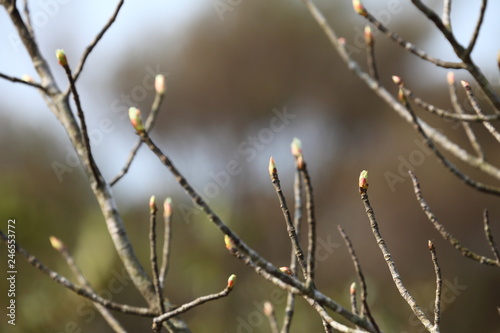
(441, 158)
(160, 88)
(475, 105)
(444, 233)
(459, 110)
(365, 309)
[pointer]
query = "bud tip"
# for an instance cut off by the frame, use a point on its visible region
(135, 118)
(363, 180)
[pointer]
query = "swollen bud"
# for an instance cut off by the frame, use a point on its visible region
(167, 207)
(135, 118)
(61, 57)
(273, 172)
(268, 309)
(397, 80)
(152, 204)
(342, 41)
(352, 290)
(286, 270)
(363, 181)
(229, 243)
(160, 84)
(450, 77)
(466, 85)
(56, 243)
(368, 35)
(296, 147)
(27, 78)
(430, 245)
(359, 8)
(231, 281)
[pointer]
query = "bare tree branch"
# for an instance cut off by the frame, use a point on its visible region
(388, 259)
(96, 40)
(365, 309)
(79, 290)
(446, 235)
(108, 316)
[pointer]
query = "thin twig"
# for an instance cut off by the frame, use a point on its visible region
(459, 110)
(152, 258)
(409, 46)
(273, 172)
(83, 125)
(475, 34)
(167, 239)
(465, 118)
(290, 300)
(96, 40)
(271, 317)
(127, 309)
(365, 309)
(105, 313)
(475, 105)
(439, 284)
(370, 53)
(444, 233)
(29, 83)
(489, 236)
(390, 263)
(188, 306)
(311, 222)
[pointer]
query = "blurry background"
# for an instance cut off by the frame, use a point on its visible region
(229, 74)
